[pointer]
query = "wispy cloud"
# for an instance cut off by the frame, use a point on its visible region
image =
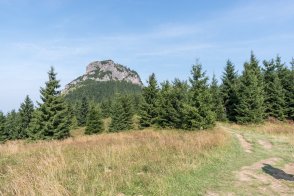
(169, 48)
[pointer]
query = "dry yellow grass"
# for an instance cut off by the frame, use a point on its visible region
(135, 162)
(284, 130)
(269, 127)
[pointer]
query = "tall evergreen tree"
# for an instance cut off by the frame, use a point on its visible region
(94, 121)
(148, 107)
(179, 98)
(72, 117)
(106, 108)
(50, 120)
(289, 94)
(199, 114)
(117, 117)
(3, 132)
(171, 100)
(121, 115)
(287, 80)
(83, 112)
(274, 95)
(127, 105)
(217, 101)
(12, 125)
(250, 108)
(166, 111)
(229, 91)
(25, 113)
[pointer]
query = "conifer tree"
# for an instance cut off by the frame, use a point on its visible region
(171, 100)
(121, 115)
(72, 117)
(218, 106)
(127, 105)
(137, 100)
(274, 95)
(179, 98)
(199, 114)
(229, 91)
(94, 121)
(254, 65)
(12, 125)
(289, 94)
(3, 133)
(50, 120)
(166, 112)
(106, 108)
(250, 108)
(25, 113)
(148, 107)
(83, 112)
(287, 80)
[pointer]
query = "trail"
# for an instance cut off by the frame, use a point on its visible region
(265, 144)
(264, 177)
(247, 146)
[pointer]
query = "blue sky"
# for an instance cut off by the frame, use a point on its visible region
(161, 36)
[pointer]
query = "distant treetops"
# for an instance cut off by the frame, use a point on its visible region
(260, 92)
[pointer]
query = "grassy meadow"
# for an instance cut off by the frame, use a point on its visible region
(147, 162)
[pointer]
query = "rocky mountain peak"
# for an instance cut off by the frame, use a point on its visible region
(103, 71)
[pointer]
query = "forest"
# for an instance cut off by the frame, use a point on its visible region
(264, 90)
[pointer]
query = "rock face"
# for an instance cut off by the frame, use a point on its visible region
(103, 71)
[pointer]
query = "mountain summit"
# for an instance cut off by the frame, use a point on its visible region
(103, 71)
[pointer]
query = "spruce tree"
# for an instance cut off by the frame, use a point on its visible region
(286, 76)
(50, 120)
(274, 95)
(106, 108)
(83, 111)
(148, 108)
(229, 91)
(12, 125)
(171, 100)
(25, 113)
(199, 114)
(3, 132)
(94, 121)
(289, 94)
(117, 115)
(137, 100)
(166, 112)
(72, 117)
(254, 65)
(217, 101)
(250, 108)
(122, 114)
(179, 98)
(127, 105)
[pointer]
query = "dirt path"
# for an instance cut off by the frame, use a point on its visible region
(265, 177)
(244, 143)
(265, 144)
(257, 175)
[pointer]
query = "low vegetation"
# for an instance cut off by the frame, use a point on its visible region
(135, 162)
(151, 162)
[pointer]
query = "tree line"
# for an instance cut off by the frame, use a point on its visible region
(263, 90)
(260, 92)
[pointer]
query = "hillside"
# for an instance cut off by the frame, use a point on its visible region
(102, 80)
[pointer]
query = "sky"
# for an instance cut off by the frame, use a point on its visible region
(161, 36)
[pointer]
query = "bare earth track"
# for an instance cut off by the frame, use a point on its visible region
(265, 177)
